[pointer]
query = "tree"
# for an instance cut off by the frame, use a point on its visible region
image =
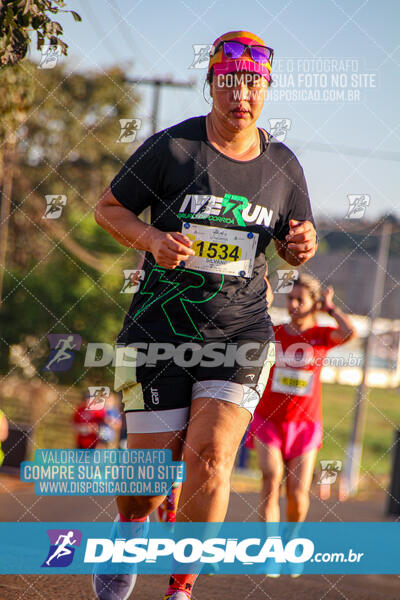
(65, 274)
(20, 17)
(17, 19)
(15, 101)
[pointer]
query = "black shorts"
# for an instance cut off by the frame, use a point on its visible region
(159, 381)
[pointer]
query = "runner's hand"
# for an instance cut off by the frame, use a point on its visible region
(301, 240)
(170, 248)
(327, 299)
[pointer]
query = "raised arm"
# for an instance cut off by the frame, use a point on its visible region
(346, 330)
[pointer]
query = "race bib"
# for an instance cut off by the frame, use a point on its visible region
(220, 250)
(292, 381)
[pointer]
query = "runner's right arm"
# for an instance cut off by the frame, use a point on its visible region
(3, 427)
(268, 292)
(168, 248)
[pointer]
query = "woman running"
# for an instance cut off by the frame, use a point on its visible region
(287, 425)
(220, 190)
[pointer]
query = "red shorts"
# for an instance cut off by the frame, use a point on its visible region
(293, 438)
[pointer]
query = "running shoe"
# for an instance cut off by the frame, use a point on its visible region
(177, 596)
(112, 586)
(269, 569)
(296, 569)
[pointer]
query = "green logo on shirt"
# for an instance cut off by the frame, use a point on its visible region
(237, 204)
(172, 295)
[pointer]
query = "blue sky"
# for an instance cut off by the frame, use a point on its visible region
(156, 39)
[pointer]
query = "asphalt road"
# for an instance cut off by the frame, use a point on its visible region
(19, 503)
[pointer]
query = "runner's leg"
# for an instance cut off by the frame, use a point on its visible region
(212, 440)
(135, 510)
(299, 476)
(215, 431)
(166, 512)
(139, 507)
(272, 468)
(220, 413)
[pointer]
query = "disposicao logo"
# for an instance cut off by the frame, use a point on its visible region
(193, 550)
(62, 348)
(62, 547)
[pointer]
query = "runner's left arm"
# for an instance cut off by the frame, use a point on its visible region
(346, 330)
(295, 235)
(300, 244)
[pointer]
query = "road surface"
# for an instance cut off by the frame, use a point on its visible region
(19, 503)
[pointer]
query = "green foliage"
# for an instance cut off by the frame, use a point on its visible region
(15, 99)
(19, 17)
(383, 416)
(65, 275)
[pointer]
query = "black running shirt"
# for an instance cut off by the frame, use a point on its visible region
(184, 179)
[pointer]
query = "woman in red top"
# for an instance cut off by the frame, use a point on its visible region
(287, 425)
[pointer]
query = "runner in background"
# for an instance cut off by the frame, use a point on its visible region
(87, 423)
(3, 433)
(287, 426)
(110, 429)
(96, 425)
